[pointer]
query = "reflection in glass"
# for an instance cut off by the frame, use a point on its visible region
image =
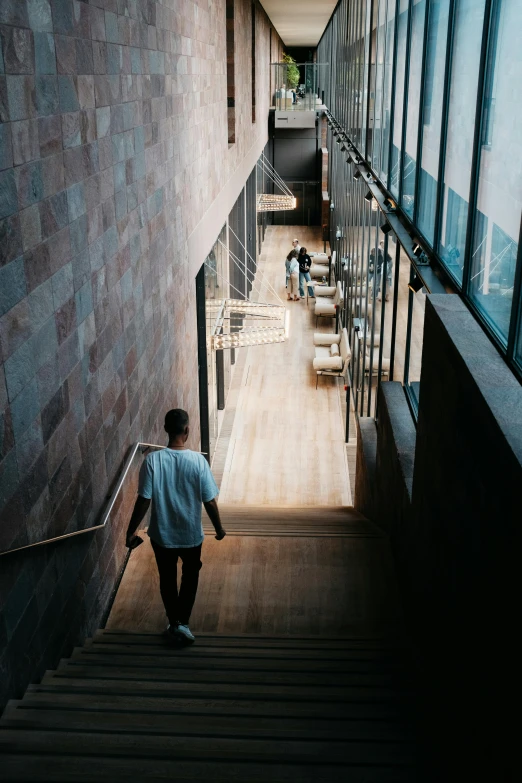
(469, 18)
(499, 198)
(432, 115)
(387, 89)
(412, 110)
(402, 36)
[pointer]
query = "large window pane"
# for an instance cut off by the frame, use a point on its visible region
(494, 247)
(402, 35)
(432, 114)
(387, 89)
(378, 53)
(467, 37)
(412, 122)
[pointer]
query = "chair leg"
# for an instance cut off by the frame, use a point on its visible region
(316, 379)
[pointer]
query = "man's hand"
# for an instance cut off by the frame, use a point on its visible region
(131, 542)
(211, 507)
(140, 509)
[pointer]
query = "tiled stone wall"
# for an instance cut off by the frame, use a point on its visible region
(113, 145)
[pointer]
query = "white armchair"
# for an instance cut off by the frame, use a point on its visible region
(332, 354)
(326, 306)
(320, 266)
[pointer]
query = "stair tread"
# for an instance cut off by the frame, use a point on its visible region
(197, 748)
(224, 653)
(338, 642)
(42, 716)
(205, 703)
(44, 767)
(149, 672)
(338, 692)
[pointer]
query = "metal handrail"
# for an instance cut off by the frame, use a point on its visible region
(110, 503)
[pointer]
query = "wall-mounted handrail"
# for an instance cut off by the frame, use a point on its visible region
(110, 503)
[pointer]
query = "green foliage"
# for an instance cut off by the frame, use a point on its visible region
(292, 71)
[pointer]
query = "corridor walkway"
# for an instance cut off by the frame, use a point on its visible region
(287, 444)
(285, 470)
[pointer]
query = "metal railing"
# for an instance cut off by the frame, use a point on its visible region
(110, 502)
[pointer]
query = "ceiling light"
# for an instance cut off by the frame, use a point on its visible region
(349, 160)
(369, 196)
(390, 204)
(343, 148)
(415, 285)
(417, 249)
(385, 227)
(357, 174)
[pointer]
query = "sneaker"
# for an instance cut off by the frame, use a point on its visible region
(183, 631)
(170, 632)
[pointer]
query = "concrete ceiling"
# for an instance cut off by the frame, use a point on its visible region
(299, 22)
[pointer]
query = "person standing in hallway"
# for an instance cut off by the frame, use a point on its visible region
(305, 262)
(389, 270)
(292, 276)
(177, 481)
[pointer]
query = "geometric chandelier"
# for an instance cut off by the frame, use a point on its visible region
(274, 202)
(240, 323)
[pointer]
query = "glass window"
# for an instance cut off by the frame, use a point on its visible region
(499, 197)
(413, 102)
(467, 35)
(366, 88)
(432, 115)
(412, 374)
(387, 89)
(402, 35)
(378, 53)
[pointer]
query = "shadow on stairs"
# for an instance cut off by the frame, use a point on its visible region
(127, 706)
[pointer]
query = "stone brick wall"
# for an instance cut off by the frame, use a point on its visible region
(113, 145)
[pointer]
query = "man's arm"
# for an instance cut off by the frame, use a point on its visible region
(211, 507)
(140, 509)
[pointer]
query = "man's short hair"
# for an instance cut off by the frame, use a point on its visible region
(175, 421)
(295, 240)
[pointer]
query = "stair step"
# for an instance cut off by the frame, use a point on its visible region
(64, 769)
(256, 640)
(234, 750)
(336, 657)
(209, 704)
(130, 670)
(263, 692)
(226, 664)
(359, 721)
(108, 684)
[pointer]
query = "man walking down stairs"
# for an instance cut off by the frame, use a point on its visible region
(319, 692)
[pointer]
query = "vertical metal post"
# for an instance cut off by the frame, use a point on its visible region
(202, 362)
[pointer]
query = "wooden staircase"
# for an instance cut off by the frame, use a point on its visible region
(330, 521)
(130, 707)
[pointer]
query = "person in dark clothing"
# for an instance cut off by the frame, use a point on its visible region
(375, 267)
(305, 262)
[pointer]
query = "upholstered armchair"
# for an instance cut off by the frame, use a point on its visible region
(332, 354)
(320, 267)
(326, 306)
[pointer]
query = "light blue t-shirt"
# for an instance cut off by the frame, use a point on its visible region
(177, 482)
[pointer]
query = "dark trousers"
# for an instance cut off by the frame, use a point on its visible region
(178, 606)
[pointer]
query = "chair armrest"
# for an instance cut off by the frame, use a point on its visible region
(333, 363)
(326, 338)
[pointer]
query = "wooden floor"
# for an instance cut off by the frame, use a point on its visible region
(287, 444)
(298, 559)
(272, 585)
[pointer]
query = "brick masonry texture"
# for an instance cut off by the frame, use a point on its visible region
(113, 145)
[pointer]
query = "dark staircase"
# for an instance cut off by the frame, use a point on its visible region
(129, 707)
